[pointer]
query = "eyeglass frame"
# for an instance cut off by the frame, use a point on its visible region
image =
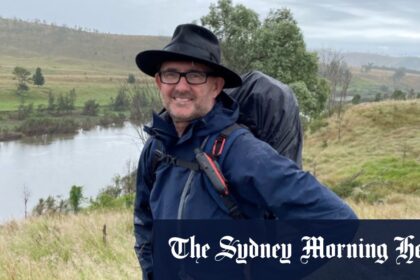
(184, 74)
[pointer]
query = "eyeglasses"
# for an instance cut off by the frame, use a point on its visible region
(193, 77)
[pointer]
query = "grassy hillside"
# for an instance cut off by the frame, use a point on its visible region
(28, 39)
(91, 80)
(94, 64)
(69, 247)
(376, 156)
(368, 84)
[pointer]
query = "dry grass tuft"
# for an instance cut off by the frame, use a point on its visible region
(69, 247)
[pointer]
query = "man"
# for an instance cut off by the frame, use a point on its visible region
(191, 79)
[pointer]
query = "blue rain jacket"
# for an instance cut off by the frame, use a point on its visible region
(259, 178)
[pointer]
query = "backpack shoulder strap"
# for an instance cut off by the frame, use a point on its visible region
(208, 164)
(220, 146)
(220, 141)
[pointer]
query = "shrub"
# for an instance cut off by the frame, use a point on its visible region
(91, 108)
(25, 111)
(39, 126)
(356, 99)
(112, 119)
(131, 79)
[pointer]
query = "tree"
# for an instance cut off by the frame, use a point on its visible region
(23, 78)
(398, 74)
(122, 100)
(38, 78)
(306, 99)
(39, 208)
(275, 46)
(65, 103)
(368, 67)
(236, 28)
(335, 70)
(51, 102)
(398, 95)
(75, 198)
(411, 94)
(50, 207)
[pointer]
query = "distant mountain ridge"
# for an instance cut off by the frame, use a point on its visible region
(21, 38)
(25, 39)
(359, 59)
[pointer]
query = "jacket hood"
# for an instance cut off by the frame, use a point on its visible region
(224, 113)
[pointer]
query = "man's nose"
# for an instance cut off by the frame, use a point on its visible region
(182, 85)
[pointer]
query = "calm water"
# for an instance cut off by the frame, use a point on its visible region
(50, 166)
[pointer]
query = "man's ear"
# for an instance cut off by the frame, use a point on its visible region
(157, 80)
(219, 83)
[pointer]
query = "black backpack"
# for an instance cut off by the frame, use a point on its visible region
(269, 109)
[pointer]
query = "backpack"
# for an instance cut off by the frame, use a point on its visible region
(269, 109)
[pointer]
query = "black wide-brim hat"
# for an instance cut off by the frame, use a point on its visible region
(189, 42)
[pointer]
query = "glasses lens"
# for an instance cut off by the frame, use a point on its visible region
(196, 77)
(170, 77)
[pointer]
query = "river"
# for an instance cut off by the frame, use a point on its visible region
(51, 165)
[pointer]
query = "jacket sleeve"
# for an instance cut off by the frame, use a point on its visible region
(262, 177)
(143, 220)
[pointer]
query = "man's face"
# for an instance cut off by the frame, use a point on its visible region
(185, 102)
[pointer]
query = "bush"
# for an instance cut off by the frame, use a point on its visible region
(131, 79)
(356, 99)
(40, 126)
(65, 103)
(112, 119)
(398, 95)
(345, 189)
(317, 124)
(22, 87)
(25, 111)
(91, 108)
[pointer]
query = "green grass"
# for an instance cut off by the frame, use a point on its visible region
(378, 153)
(370, 83)
(91, 80)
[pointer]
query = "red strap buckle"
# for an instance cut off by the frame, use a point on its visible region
(218, 146)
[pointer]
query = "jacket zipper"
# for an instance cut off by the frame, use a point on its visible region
(184, 195)
(187, 187)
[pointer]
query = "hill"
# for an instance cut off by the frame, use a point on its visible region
(374, 153)
(94, 64)
(20, 38)
(380, 81)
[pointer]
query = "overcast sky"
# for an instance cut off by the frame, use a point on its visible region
(379, 26)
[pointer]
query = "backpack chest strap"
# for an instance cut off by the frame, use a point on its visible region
(161, 157)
